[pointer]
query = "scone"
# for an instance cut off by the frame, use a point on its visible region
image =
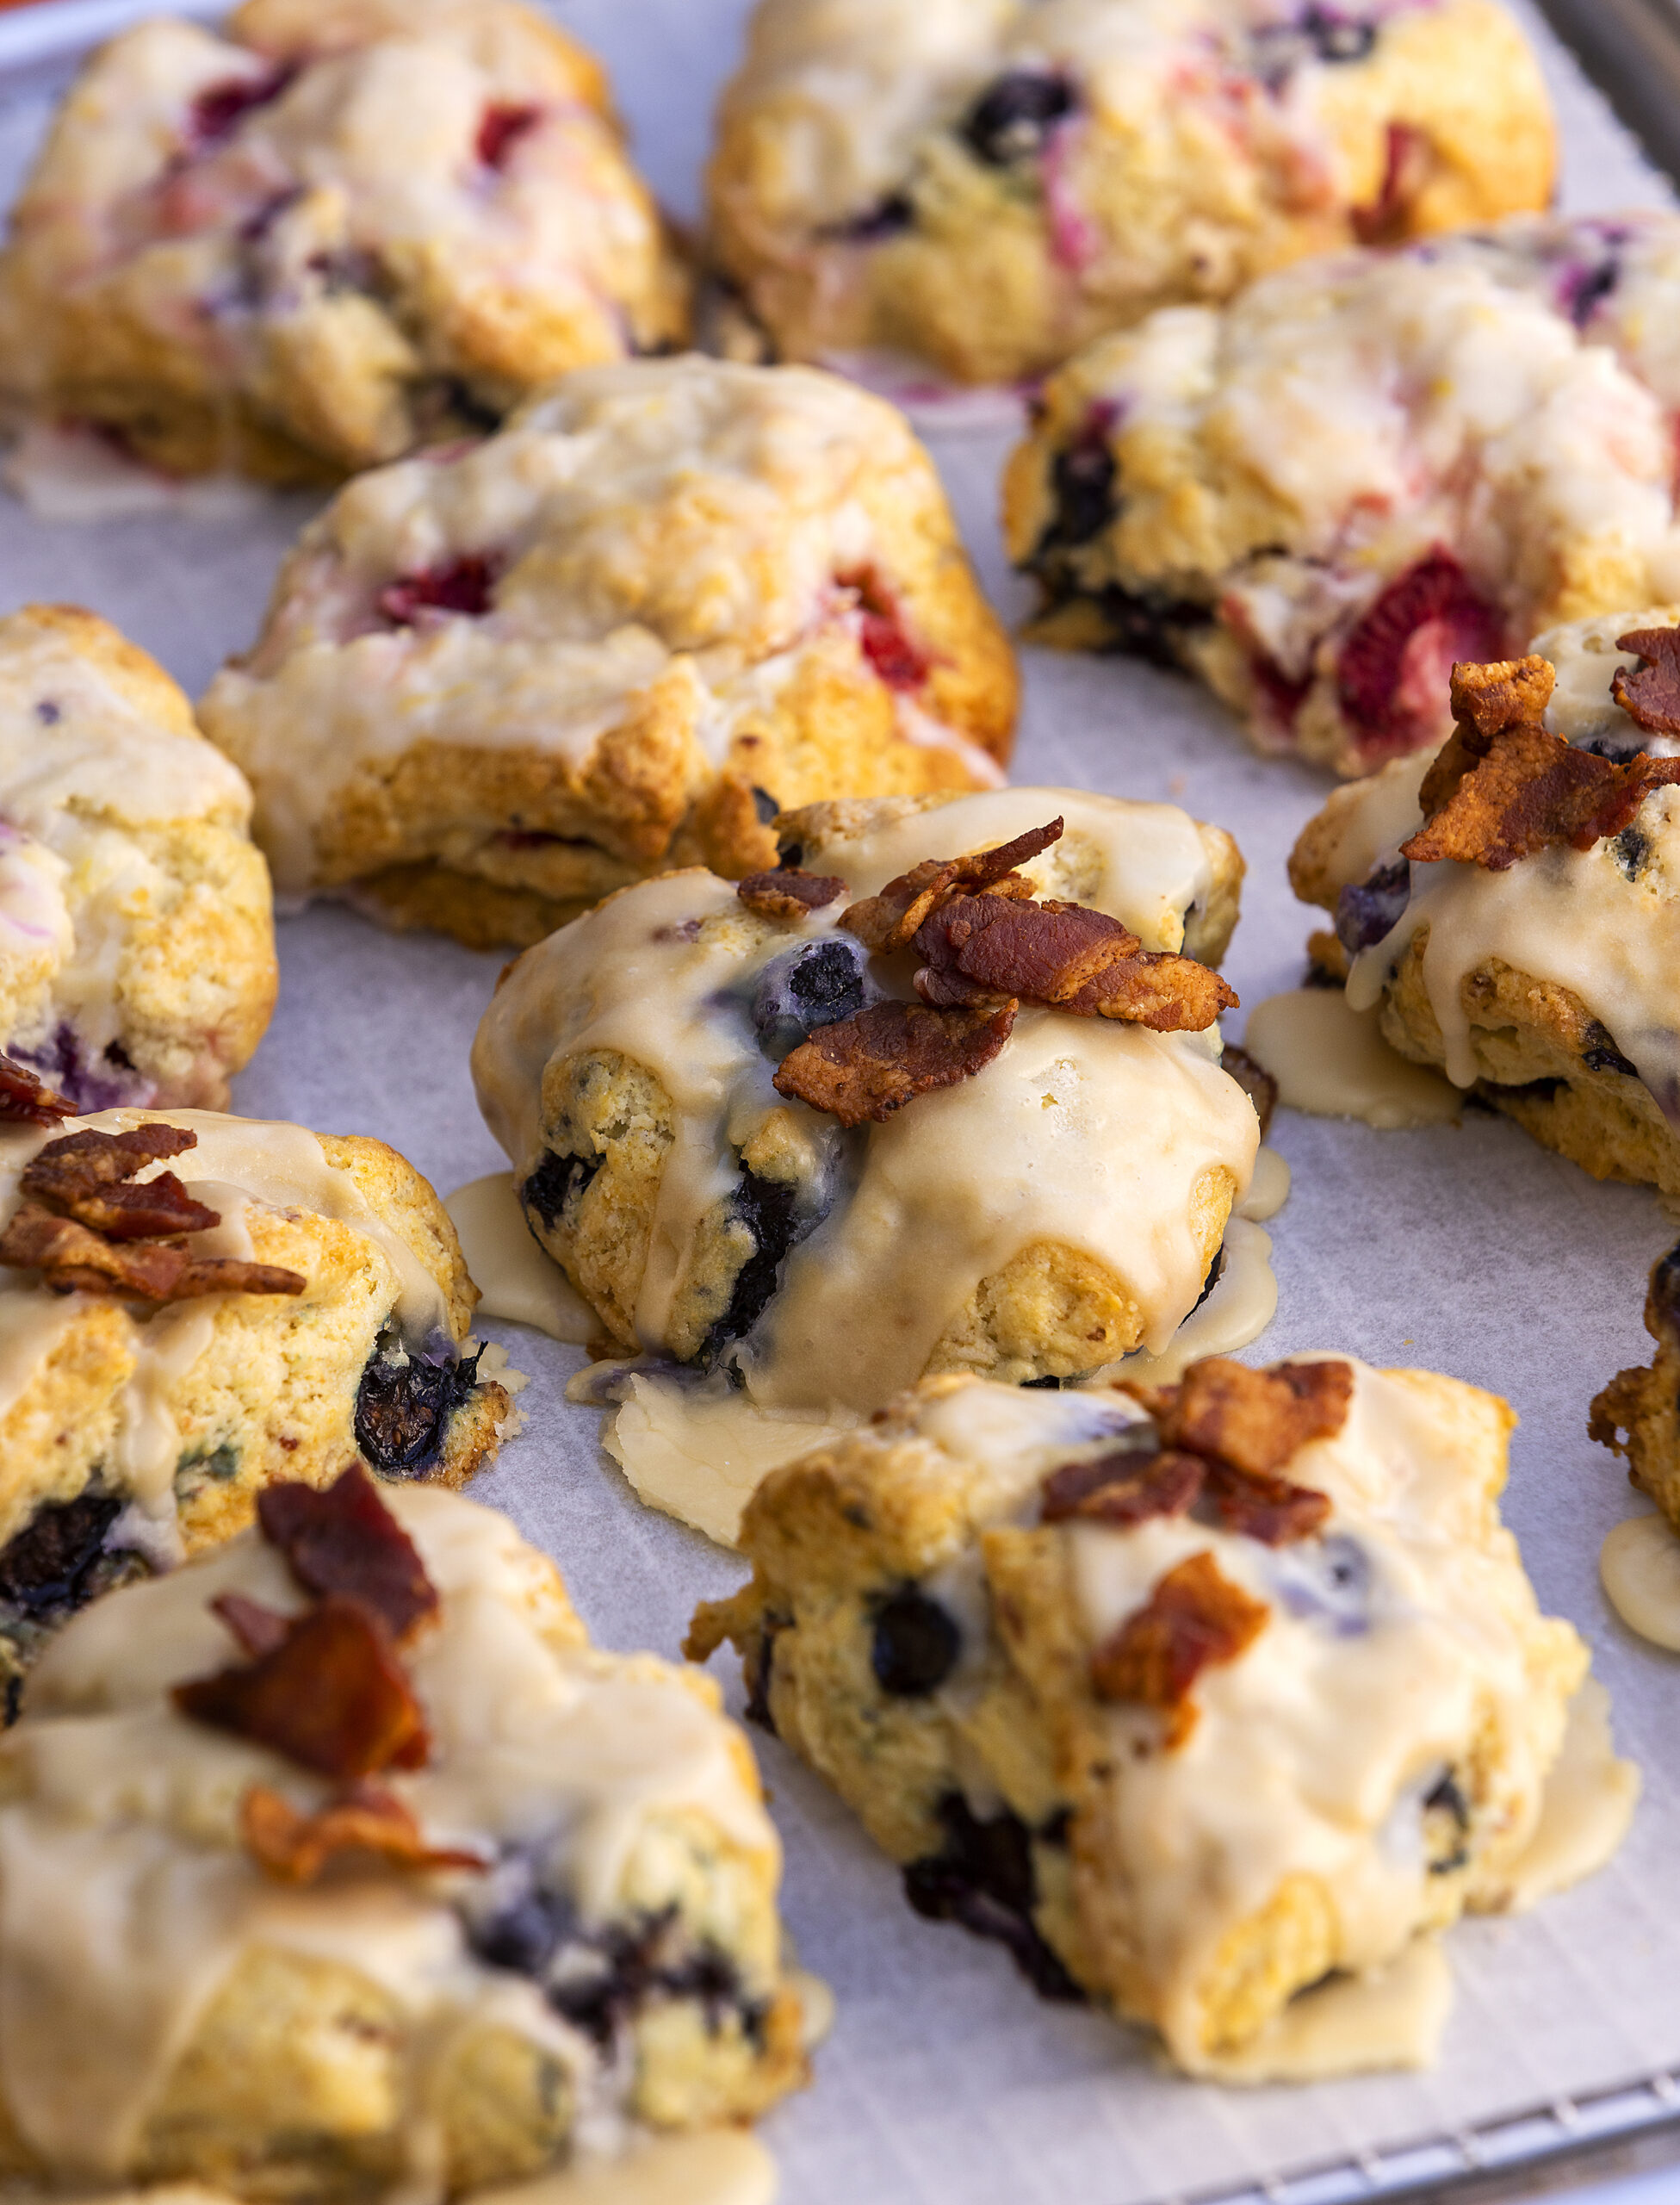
(987, 185)
(270, 1303)
(340, 1863)
(1512, 902)
(669, 597)
(136, 930)
(941, 1092)
(1194, 1699)
(1644, 1403)
(330, 231)
(1363, 469)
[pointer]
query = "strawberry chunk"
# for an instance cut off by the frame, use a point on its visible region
(1394, 670)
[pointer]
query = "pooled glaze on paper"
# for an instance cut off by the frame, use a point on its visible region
(516, 1277)
(125, 1898)
(1331, 1061)
(1638, 1565)
(720, 2167)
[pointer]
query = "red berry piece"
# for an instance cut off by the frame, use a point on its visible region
(463, 587)
(1395, 668)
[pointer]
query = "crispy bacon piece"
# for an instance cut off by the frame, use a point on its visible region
(1649, 695)
(864, 1067)
(295, 1847)
(1255, 1082)
(1251, 1421)
(71, 1256)
(1194, 1617)
(981, 949)
(889, 921)
(344, 1540)
(789, 893)
(1123, 1487)
(259, 1630)
(1504, 786)
(330, 1696)
(1269, 1509)
(26, 1100)
(80, 1165)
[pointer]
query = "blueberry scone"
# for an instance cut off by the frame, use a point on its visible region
(940, 1091)
(193, 1306)
(1512, 901)
(339, 1863)
(668, 598)
(1365, 469)
(327, 232)
(136, 932)
(986, 187)
(1194, 1699)
(1644, 1403)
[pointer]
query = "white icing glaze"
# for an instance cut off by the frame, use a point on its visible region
(682, 523)
(1090, 1133)
(125, 1897)
(1587, 1804)
(1389, 2016)
(1638, 1565)
(720, 2167)
(1326, 1739)
(1242, 1303)
(700, 1455)
(1331, 1060)
(516, 1277)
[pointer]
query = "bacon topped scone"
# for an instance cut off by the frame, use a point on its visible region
(192, 1306)
(331, 231)
(339, 1863)
(1512, 901)
(1365, 469)
(669, 598)
(940, 1092)
(984, 185)
(1211, 1701)
(137, 957)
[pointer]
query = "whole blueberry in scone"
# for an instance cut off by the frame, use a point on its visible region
(1511, 901)
(192, 1306)
(340, 1862)
(668, 599)
(985, 185)
(941, 1091)
(331, 231)
(136, 931)
(1364, 470)
(1210, 1702)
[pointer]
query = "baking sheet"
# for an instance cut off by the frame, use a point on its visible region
(1462, 1248)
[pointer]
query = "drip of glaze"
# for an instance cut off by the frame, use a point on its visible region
(1387, 2018)
(719, 2166)
(1638, 1566)
(516, 1277)
(1331, 1061)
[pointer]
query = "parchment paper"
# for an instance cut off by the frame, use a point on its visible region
(1466, 1249)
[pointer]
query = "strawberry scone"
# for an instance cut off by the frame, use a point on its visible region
(670, 599)
(1363, 470)
(136, 926)
(328, 232)
(983, 185)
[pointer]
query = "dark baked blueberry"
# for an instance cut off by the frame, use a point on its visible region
(47, 712)
(1147, 623)
(1368, 909)
(818, 985)
(1083, 479)
(1584, 288)
(1631, 848)
(1601, 1054)
(770, 1210)
(557, 1181)
(404, 1404)
(1215, 1271)
(44, 1570)
(1316, 35)
(522, 1935)
(982, 1876)
(1330, 1580)
(1012, 117)
(1446, 1827)
(914, 1646)
(106, 1081)
(1665, 1289)
(1051, 1385)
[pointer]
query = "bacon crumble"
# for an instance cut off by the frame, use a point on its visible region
(1124, 1488)
(864, 1068)
(1195, 1618)
(789, 893)
(1650, 694)
(1504, 786)
(1252, 1421)
(889, 921)
(83, 1225)
(294, 1846)
(343, 1539)
(26, 1100)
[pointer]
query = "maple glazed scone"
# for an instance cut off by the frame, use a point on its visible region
(332, 231)
(943, 1091)
(668, 598)
(985, 187)
(137, 959)
(1511, 901)
(1363, 470)
(192, 1306)
(339, 1860)
(1192, 1699)
(1638, 1413)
